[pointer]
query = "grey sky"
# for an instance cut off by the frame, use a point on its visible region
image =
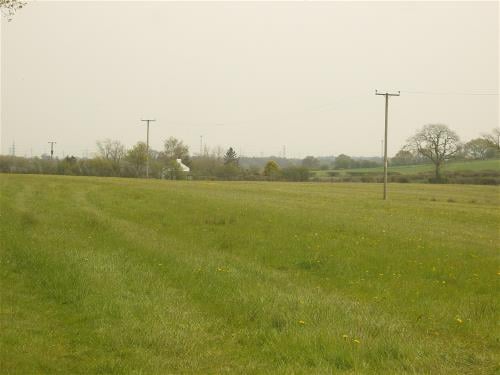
(255, 76)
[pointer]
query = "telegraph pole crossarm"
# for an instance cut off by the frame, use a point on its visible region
(386, 94)
(147, 146)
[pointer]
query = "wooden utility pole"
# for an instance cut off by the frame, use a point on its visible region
(52, 149)
(386, 94)
(147, 147)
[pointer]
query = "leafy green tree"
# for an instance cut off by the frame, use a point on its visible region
(69, 166)
(228, 171)
(175, 149)
(230, 158)
(296, 173)
(436, 142)
(251, 173)
(98, 167)
(272, 170)
(205, 166)
(343, 162)
(137, 157)
(364, 163)
(310, 162)
(403, 157)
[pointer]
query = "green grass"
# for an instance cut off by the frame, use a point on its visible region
(103, 275)
(473, 165)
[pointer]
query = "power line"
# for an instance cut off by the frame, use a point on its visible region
(305, 111)
(386, 94)
(448, 93)
(277, 116)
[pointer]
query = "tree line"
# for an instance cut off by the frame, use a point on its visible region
(113, 159)
(434, 143)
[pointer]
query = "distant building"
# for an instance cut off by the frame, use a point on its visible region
(176, 172)
(184, 167)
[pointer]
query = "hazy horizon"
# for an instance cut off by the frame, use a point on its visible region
(254, 76)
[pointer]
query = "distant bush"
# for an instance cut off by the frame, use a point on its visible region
(295, 173)
(368, 179)
(401, 179)
(439, 180)
(476, 180)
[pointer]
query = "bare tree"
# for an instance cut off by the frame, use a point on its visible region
(218, 152)
(436, 142)
(494, 138)
(477, 148)
(109, 149)
(112, 151)
(10, 7)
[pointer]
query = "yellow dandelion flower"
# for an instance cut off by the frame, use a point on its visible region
(302, 322)
(459, 320)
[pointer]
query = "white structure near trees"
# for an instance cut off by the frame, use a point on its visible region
(183, 167)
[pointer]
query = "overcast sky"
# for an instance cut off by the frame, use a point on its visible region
(255, 76)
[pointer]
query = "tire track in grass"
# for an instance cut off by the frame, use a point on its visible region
(86, 315)
(32, 330)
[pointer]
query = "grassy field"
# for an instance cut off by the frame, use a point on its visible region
(474, 165)
(114, 276)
